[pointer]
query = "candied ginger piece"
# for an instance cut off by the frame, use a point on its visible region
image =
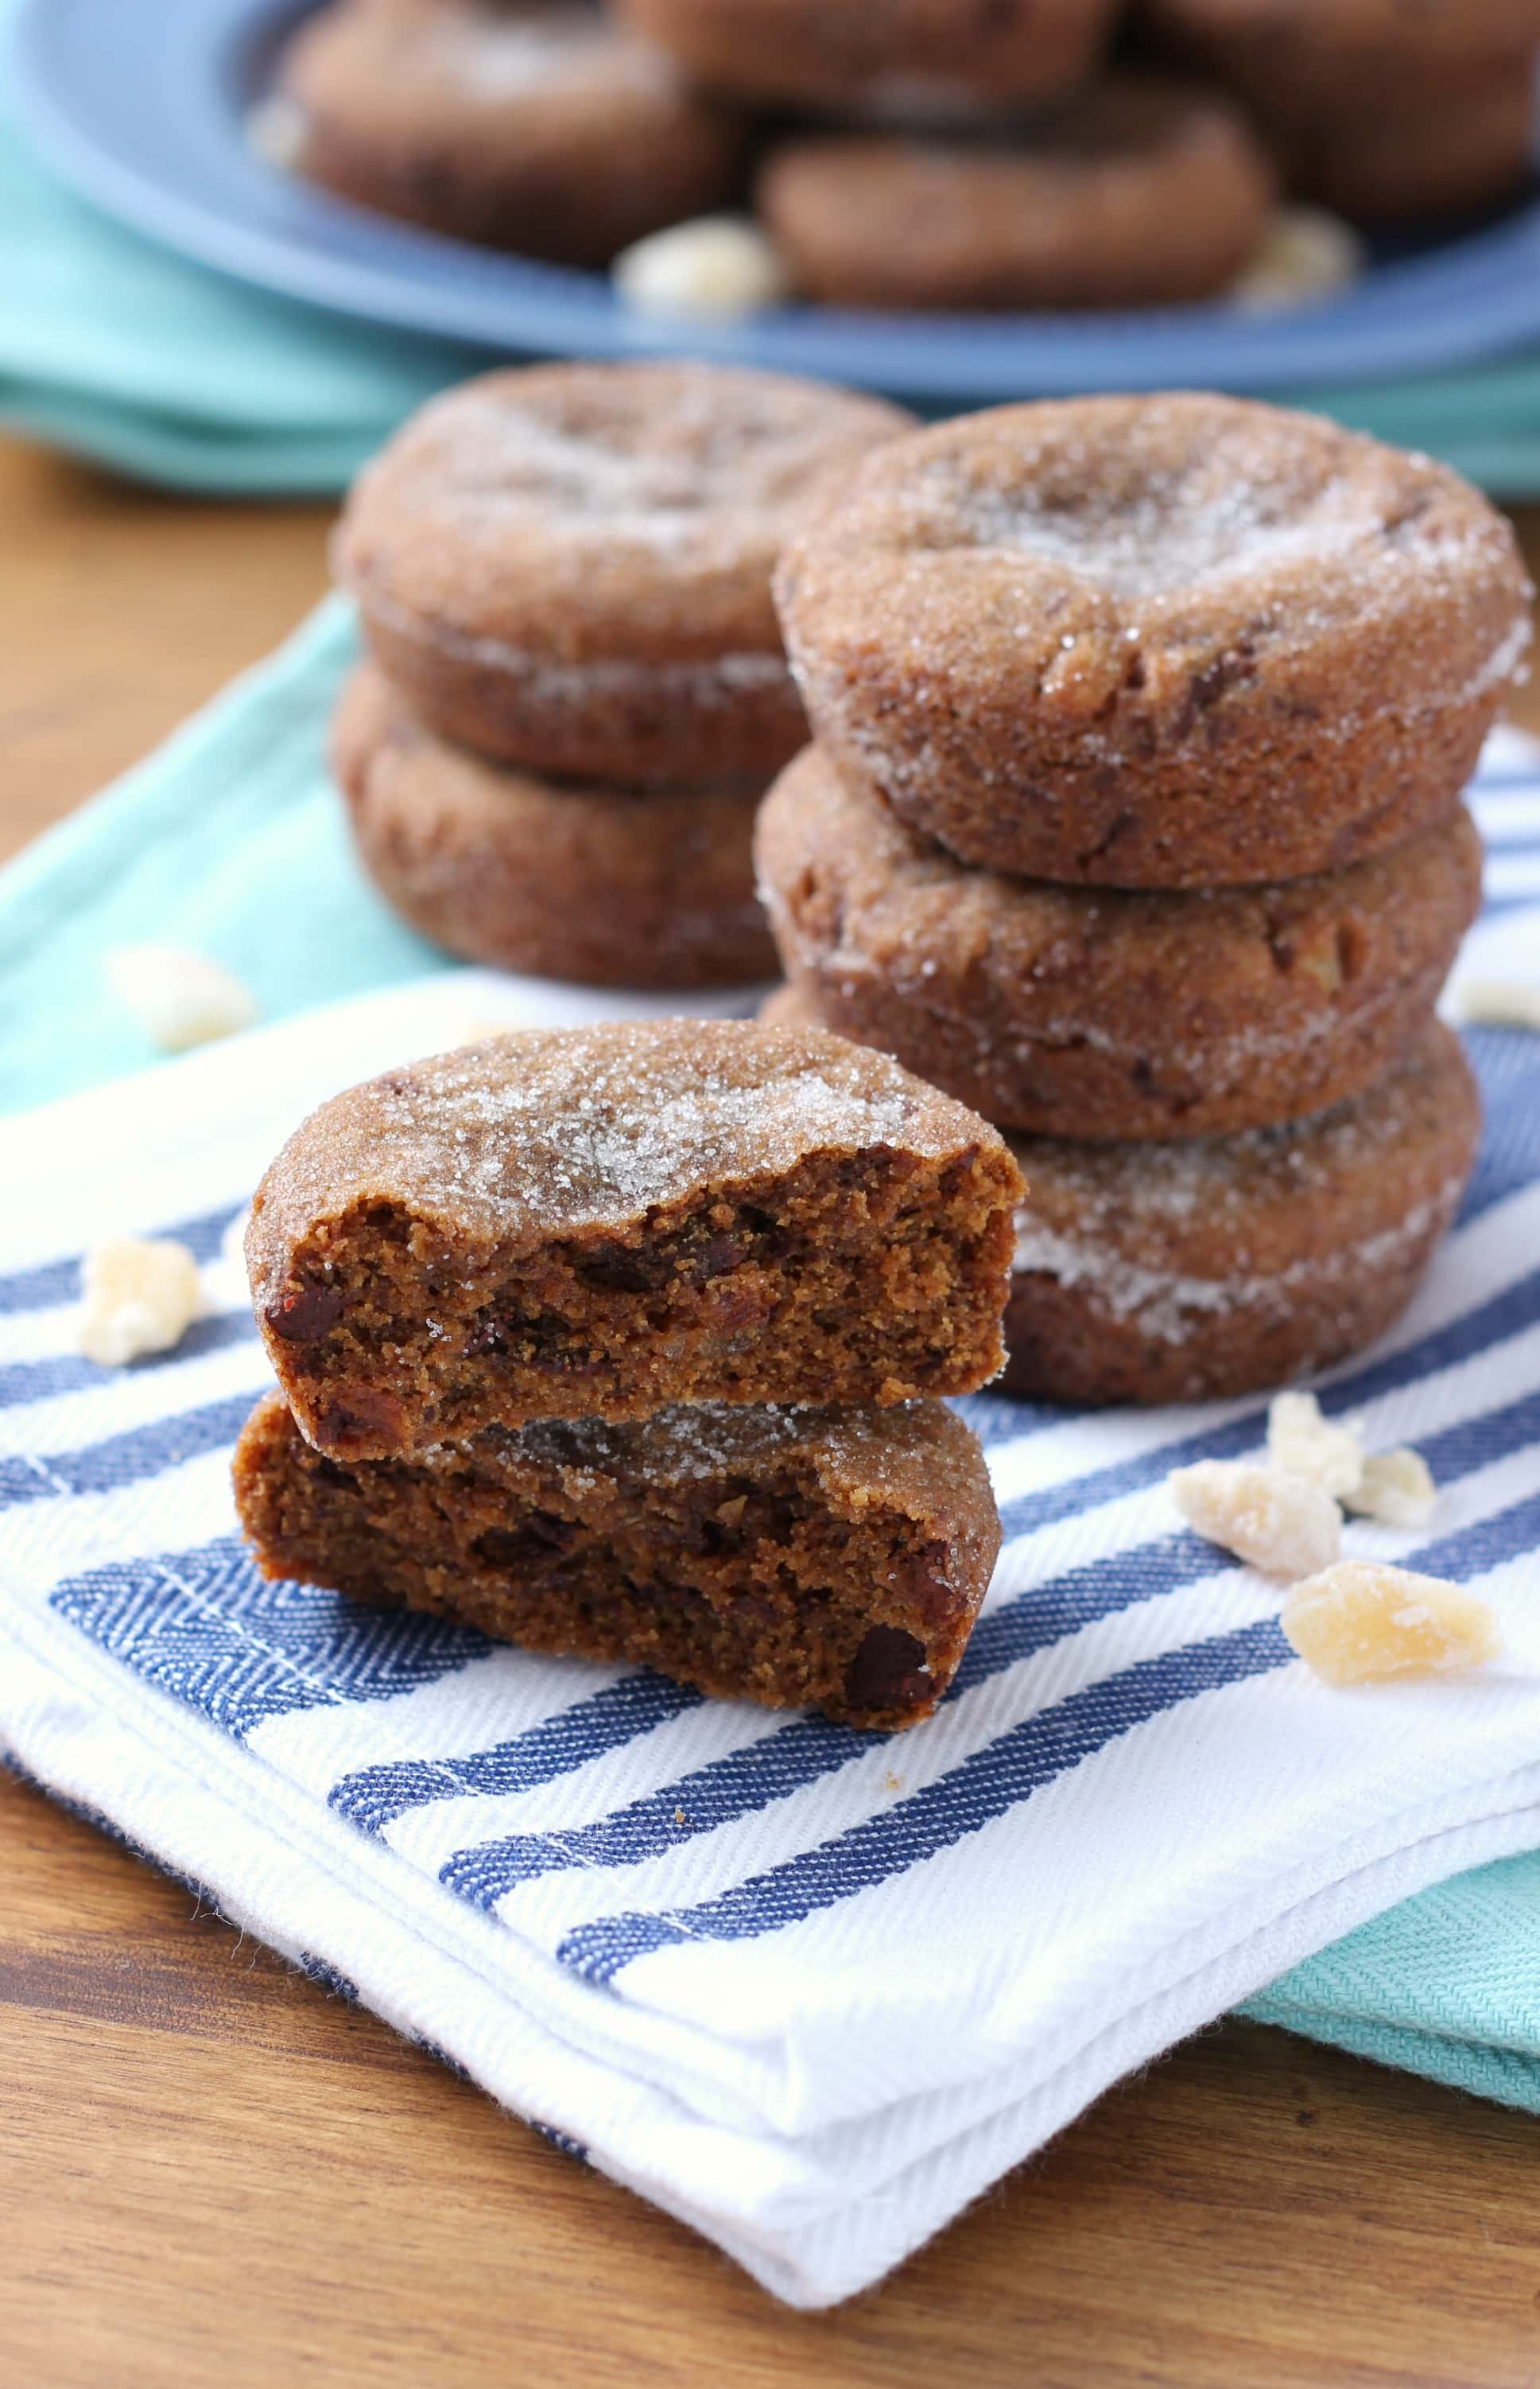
(1284, 1524)
(139, 1296)
(713, 266)
(1304, 254)
(1303, 1443)
(1497, 1003)
(179, 998)
(1396, 1487)
(1360, 1621)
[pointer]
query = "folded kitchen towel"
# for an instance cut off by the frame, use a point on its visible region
(809, 1989)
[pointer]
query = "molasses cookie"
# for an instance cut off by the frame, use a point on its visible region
(598, 884)
(1218, 1266)
(598, 1223)
(1148, 194)
(567, 568)
(1460, 149)
(1103, 1012)
(1176, 641)
(1301, 58)
(929, 59)
(535, 128)
(833, 1558)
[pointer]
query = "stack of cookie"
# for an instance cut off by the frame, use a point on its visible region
(1135, 820)
(627, 1342)
(577, 691)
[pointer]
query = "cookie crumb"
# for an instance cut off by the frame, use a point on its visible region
(138, 1296)
(715, 266)
(179, 998)
(1360, 1622)
(1303, 1443)
(1396, 1488)
(1283, 1525)
(1498, 1004)
(1304, 254)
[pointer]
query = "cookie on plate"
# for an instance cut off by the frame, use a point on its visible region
(535, 128)
(1150, 193)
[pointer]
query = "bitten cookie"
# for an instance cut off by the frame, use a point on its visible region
(834, 1558)
(598, 1223)
(1176, 641)
(567, 568)
(597, 885)
(1148, 194)
(1106, 1013)
(1217, 1266)
(534, 128)
(927, 59)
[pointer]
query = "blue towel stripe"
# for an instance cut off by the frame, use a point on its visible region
(125, 1459)
(55, 1282)
(69, 1373)
(988, 1784)
(375, 1797)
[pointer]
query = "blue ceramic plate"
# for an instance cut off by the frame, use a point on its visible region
(140, 105)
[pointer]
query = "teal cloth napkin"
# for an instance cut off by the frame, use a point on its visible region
(231, 840)
(124, 353)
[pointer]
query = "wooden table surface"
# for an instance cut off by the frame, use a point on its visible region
(212, 2172)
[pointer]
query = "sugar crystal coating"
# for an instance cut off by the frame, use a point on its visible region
(1286, 1525)
(1361, 1621)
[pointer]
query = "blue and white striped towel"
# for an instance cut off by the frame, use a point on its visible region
(808, 1990)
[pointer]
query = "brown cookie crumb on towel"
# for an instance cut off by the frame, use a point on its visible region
(822, 1557)
(599, 1223)
(1174, 641)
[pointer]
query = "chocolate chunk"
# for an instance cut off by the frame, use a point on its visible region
(305, 1311)
(537, 1536)
(888, 1671)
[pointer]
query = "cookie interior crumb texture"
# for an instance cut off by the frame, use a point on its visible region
(603, 1221)
(828, 1558)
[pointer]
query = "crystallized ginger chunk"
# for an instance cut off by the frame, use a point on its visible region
(137, 1297)
(1305, 1444)
(1396, 1487)
(1284, 1524)
(1360, 1621)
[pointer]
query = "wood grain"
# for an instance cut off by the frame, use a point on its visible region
(211, 2171)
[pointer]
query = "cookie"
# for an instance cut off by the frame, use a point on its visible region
(1102, 1012)
(1457, 150)
(540, 129)
(930, 59)
(825, 1558)
(1150, 193)
(599, 1223)
(1299, 58)
(1176, 641)
(597, 885)
(568, 566)
(1218, 1266)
